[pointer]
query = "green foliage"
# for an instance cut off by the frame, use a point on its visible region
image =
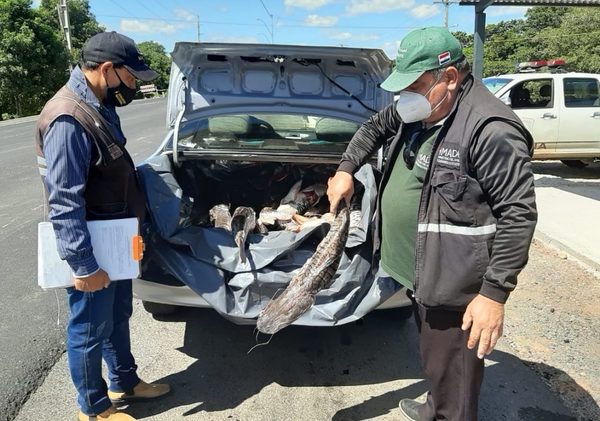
(570, 33)
(577, 40)
(33, 60)
(158, 60)
(541, 18)
(466, 40)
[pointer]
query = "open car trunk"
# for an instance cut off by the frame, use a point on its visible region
(184, 247)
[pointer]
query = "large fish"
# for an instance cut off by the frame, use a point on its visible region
(303, 199)
(316, 274)
(220, 216)
(243, 221)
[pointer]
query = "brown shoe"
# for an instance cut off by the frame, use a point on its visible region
(111, 414)
(142, 391)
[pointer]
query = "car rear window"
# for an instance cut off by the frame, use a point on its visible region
(262, 131)
(494, 84)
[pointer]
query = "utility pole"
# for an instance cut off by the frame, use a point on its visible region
(270, 16)
(63, 18)
(446, 4)
(198, 25)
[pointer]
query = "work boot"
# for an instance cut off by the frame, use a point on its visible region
(111, 414)
(141, 391)
(409, 408)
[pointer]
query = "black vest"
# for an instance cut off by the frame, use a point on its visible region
(449, 268)
(112, 189)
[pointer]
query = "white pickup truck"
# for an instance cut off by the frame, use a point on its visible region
(561, 110)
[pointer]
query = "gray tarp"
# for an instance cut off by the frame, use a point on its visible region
(206, 259)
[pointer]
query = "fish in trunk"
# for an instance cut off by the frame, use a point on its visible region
(316, 274)
(243, 221)
(220, 216)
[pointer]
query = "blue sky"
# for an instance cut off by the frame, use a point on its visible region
(352, 23)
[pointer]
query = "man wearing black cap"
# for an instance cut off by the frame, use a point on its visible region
(456, 211)
(89, 175)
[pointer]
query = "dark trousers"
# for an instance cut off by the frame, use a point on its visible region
(454, 371)
(99, 329)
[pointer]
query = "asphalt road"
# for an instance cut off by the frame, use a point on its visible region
(33, 321)
(358, 371)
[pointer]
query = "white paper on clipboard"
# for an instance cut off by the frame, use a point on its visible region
(113, 245)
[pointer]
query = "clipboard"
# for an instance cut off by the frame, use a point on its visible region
(118, 249)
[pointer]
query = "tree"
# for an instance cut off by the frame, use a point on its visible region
(158, 60)
(505, 46)
(538, 19)
(577, 40)
(33, 60)
(466, 41)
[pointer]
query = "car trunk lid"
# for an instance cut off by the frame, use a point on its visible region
(216, 78)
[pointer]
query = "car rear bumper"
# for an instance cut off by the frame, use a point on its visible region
(184, 296)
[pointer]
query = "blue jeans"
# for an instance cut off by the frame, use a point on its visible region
(99, 329)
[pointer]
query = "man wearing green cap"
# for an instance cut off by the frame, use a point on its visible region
(456, 211)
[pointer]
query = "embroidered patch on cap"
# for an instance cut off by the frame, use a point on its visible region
(444, 57)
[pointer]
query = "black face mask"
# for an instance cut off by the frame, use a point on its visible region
(120, 95)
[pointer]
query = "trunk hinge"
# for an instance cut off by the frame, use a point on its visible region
(178, 121)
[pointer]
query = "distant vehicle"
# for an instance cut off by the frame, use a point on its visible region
(560, 109)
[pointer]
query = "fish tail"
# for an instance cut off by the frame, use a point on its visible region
(240, 240)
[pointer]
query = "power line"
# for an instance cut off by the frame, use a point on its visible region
(121, 7)
(446, 4)
(186, 8)
(530, 40)
(144, 18)
(271, 31)
(256, 24)
(163, 6)
(145, 7)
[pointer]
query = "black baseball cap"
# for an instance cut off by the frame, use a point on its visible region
(121, 51)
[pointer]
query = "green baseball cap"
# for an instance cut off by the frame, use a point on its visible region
(422, 50)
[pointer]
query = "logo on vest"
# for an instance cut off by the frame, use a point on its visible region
(449, 155)
(422, 161)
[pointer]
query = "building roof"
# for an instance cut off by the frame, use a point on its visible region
(534, 2)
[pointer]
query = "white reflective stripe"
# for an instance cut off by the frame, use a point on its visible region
(43, 171)
(453, 229)
(41, 161)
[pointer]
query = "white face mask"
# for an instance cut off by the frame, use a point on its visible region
(412, 106)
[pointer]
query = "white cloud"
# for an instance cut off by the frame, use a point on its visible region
(184, 14)
(425, 11)
(316, 20)
(133, 25)
(36, 3)
(506, 10)
(391, 48)
(357, 7)
(306, 4)
(341, 35)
